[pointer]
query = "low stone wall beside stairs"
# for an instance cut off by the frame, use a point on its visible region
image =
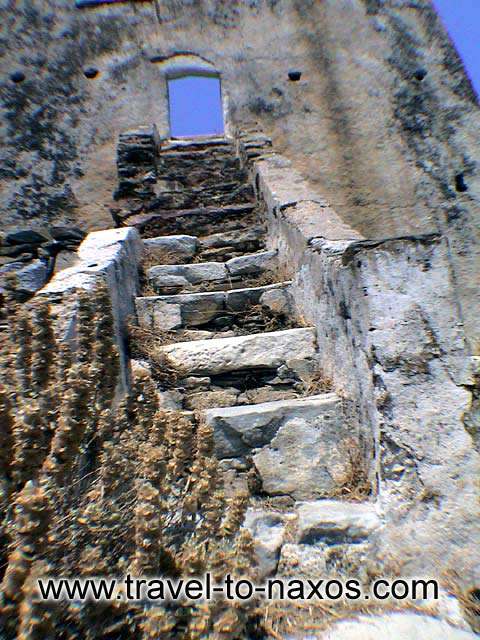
(390, 336)
(111, 257)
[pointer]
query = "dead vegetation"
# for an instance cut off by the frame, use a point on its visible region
(317, 383)
(91, 486)
(355, 484)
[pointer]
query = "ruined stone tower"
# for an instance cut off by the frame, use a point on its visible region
(315, 267)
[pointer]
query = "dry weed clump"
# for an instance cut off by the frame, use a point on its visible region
(95, 486)
(355, 484)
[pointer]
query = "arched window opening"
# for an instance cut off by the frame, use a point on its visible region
(195, 106)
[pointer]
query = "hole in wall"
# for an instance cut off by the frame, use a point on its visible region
(460, 184)
(294, 76)
(420, 74)
(90, 72)
(17, 76)
(195, 106)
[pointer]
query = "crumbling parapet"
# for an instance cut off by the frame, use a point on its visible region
(111, 257)
(390, 337)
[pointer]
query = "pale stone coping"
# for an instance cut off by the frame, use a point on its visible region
(288, 194)
(111, 256)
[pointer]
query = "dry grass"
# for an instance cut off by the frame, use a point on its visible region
(317, 383)
(295, 618)
(145, 344)
(355, 485)
(116, 486)
(469, 599)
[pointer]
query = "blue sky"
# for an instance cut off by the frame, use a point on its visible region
(195, 106)
(462, 20)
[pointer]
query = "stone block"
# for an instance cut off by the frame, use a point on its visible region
(265, 350)
(161, 275)
(337, 522)
(30, 277)
(268, 531)
(252, 264)
(172, 249)
(239, 299)
(111, 257)
(154, 313)
(277, 301)
(239, 430)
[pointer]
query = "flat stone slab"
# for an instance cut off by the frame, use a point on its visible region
(161, 275)
(252, 263)
(268, 531)
(239, 430)
(394, 626)
(261, 350)
(195, 309)
(172, 248)
(337, 522)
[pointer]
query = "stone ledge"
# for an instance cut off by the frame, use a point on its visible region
(112, 257)
(335, 521)
(263, 350)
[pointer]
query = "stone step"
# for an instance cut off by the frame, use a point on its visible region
(336, 522)
(180, 248)
(186, 144)
(295, 445)
(233, 307)
(256, 351)
(199, 220)
(174, 278)
(319, 532)
(191, 187)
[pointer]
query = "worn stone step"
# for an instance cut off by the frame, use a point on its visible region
(173, 278)
(197, 221)
(263, 350)
(336, 521)
(296, 445)
(183, 311)
(180, 248)
(207, 142)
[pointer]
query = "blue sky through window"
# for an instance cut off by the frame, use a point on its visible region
(462, 21)
(195, 105)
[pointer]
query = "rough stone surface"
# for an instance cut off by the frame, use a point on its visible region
(395, 626)
(335, 521)
(238, 430)
(303, 459)
(29, 277)
(300, 560)
(242, 352)
(268, 530)
(160, 276)
(111, 257)
(392, 340)
(277, 301)
(251, 264)
(196, 309)
(173, 249)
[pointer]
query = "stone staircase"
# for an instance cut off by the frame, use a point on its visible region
(235, 353)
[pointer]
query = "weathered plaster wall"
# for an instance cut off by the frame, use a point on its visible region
(381, 122)
(389, 336)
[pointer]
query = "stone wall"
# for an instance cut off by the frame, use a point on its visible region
(367, 98)
(390, 336)
(110, 257)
